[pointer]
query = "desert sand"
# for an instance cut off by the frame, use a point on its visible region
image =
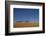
(26, 24)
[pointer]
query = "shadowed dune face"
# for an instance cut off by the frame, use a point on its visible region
(26, 24)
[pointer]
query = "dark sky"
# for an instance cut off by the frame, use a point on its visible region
(21, 14)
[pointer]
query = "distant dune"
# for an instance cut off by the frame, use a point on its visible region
(26, 24)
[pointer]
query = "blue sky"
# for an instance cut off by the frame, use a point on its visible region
(21, 14)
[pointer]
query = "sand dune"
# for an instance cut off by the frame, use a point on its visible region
(26, 24)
